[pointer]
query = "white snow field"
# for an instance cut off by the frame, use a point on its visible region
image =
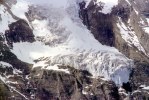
(57, 24)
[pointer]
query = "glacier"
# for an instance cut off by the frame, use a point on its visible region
(62, 39)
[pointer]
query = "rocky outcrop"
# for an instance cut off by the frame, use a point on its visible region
(100, 24)
(4, 91)
(76, 85)
(139, 79)
(140, 75)
(19, 31)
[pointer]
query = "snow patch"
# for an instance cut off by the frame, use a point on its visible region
(144, 87)
(5, 19)
(146, 29)
(129, 36)
(107, 4)
(56, 68)
(84, 92)
(45, 65)
(128, 2)
(5, 65)
(20, 8)
(136, 11)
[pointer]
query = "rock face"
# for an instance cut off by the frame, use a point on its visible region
(100, 24)
(19, 31)
(140, 74)
(73, 86)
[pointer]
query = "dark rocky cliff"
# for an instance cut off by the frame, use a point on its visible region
(100, 24)
(19, 31)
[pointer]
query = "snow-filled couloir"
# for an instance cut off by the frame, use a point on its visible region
(62, 39)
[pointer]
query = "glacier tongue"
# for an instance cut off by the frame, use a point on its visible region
(62, 39)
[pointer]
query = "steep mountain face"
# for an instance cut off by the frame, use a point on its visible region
(126, 28)
(74, 49)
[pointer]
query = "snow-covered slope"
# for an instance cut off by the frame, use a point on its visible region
(106, 5)
(62, 39)
(130, 37)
